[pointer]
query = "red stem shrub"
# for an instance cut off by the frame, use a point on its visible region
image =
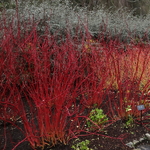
(51, 87)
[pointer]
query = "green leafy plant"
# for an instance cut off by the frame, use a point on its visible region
(82, 145)
(98, 117)
(128, 108)
(129, 121)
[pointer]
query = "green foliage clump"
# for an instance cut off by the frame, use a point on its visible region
(98, 117)
(82, 145)
(129, 122)
(130, 119)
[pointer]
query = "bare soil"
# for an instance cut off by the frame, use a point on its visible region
(114, 138)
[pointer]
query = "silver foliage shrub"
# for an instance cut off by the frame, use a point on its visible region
(60, 16)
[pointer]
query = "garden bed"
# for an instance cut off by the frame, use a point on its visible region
(64, 89)
(114, 137)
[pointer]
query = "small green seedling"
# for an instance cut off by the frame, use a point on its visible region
(98, 117)
(129, 121)
(82, 145)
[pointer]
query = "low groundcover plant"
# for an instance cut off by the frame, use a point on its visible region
(98, 117)
(82, 145)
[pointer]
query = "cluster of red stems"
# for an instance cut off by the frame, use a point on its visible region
(51, 86)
